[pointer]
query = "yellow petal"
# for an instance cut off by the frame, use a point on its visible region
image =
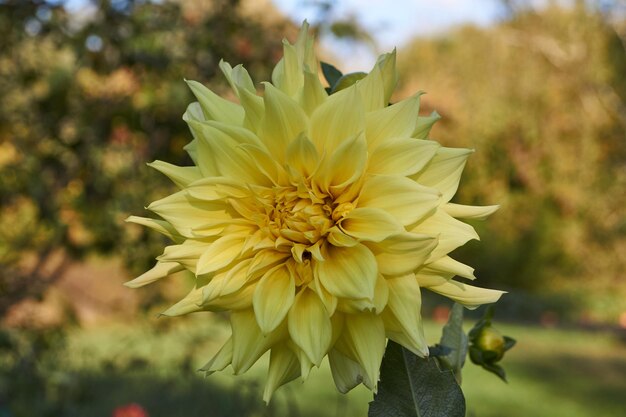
(284, 367)
(189, 304)
(220, 254)
(452, 266)
(185, 212)
(194, 112)
(249, 344)
(215, 107)
(340, 117)
(221, 360)
(389, 123)
(424, 124)
(273, 298)
(309, 325)
(312, 94)
(284, 120)
(387, 64)
(337, 237)
(181, 176)
(468, 295)
(305, 48)
(372, 90)
(254, 108)
(345, 166)
(363, 340)
(347, 374)
(469, 212)
(444, 171)
(302, 156)
(237, 77)
(377, 305)
(404, 199)
(223, 149)
(160, 270)
(264, 260)
(405, 303)
(348, 272)
(452, 233)
(186, 254)
(402, 253)
(329, 300)
(401, 156)
(227, 282)
(287, 75)
(239, 300)
(218, 188)
(160, 226)
(370, 224)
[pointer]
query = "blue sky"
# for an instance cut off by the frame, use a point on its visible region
(393, 22)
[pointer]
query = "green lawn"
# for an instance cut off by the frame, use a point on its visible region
(551, 373)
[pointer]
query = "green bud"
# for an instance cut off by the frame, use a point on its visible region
(491, 340)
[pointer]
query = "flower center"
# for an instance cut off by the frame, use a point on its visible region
(300, 218)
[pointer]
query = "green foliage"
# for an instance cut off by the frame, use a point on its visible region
(86, 103)
(541, 97)
(411, 386)
(454, 338)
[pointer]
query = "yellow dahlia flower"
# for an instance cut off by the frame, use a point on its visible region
(315, 220)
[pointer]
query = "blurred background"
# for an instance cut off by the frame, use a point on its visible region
(92, 90)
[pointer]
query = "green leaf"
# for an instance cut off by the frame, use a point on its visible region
(411, 386)
(331, 73)
(455, 338)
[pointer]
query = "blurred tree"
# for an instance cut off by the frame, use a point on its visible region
(90, 96)
(541, 96)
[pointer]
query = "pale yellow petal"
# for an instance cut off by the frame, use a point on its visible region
(452, 233)
(347, 374)
(389, 123)
(185, 213)
(186, 254)
(405, 303)
(160, 270)
(284, 367)
(221, 360)
(160, 226)
(215, 107)
(189, 304)
(312, 94)
(348, 272)
(424, 125)
(468, 295)
(239, 300)
(452, 266)
(372, 90)
(345, 166)
(401, 156)
(287, 75)
(444, 171)
(329, 300)
(218, 188)
(237, 77)
(220, 253)
(377, 305)
(401, 197)
(363, 340)
(302, 156)
(309, 325)
(249, 343)
(370, 224)
(469, 212)
(387, 64)
(402, 253)
(339, 118)
(181, 176)
(273, 297)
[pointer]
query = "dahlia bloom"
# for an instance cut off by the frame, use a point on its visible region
(314, 219)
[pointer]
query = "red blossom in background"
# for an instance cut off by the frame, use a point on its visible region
(130, 410)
